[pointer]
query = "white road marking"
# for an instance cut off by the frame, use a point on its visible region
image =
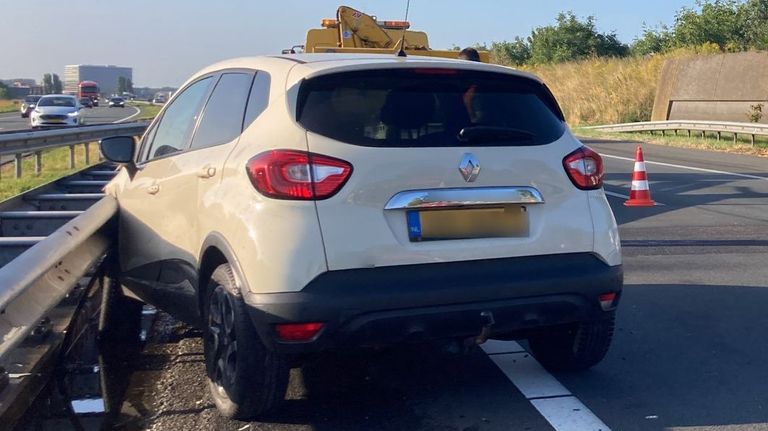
(692, 168)
(551, 399)
(138, 111)
(616, 195)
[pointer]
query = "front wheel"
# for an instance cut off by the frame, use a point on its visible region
(574, 347)
(244, 377)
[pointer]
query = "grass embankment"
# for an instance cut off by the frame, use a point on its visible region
(622, 90)
(148, 111)
(55, 166)
(9, 106)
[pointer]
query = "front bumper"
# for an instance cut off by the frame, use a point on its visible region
(67, 122)
(415, 303)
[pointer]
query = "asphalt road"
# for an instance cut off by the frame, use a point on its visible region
(102, 114)
(689, 351)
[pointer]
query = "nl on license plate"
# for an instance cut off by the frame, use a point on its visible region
(504, 222)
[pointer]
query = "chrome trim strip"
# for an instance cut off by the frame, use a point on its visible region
(464, 197)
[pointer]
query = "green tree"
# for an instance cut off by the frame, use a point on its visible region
(573, 39)
(653, 41)
(47, 84)
(722, 22)
(56, 84)
(3, 91)
(755, 18)
(515, 53)
(121, 85)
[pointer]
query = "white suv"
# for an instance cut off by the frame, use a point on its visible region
(295, 204)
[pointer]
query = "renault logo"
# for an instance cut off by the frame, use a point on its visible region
(469, 167)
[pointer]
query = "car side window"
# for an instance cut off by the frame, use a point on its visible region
(258, 99)
(178, 122)
(222, 118)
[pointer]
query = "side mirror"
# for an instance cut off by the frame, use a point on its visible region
(120, 149)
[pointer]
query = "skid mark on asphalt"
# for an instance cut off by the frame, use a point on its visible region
(550, 398)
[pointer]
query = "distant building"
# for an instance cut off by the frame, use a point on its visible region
(19, 82)
(106, 76)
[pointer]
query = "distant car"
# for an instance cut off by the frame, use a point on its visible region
(117, 102)
(56, 110)
(159, 100)
(86, 102)
(28, 105)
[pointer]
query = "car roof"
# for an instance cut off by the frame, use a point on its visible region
(58, 95)
(304, 65)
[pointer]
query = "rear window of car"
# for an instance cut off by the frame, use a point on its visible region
(429, 108)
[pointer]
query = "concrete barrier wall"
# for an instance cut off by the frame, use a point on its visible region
(714, 87)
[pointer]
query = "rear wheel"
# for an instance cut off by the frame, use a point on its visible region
(573, 347)
(245, 378)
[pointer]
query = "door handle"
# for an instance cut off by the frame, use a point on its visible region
(207, 171)
(153, 189)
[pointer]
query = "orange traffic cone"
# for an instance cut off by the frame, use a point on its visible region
(640, 194)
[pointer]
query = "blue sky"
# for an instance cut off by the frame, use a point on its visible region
(165, 41)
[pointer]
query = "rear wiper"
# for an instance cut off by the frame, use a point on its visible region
(492, 133)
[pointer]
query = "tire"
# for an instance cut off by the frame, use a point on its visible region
(246, 380)
(574, 347)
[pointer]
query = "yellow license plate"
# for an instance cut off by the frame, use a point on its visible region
(506, 222)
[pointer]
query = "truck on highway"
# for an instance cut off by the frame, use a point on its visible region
(356, 32)
(90, 90)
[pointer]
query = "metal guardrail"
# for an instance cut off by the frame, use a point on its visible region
(38, 279)
(34, 142)
(718, 127)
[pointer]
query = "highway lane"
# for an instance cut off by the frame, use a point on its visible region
(99, 115)
(688, 352)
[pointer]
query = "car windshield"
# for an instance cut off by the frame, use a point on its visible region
(430, 108)
(57, 101)
(117, 99)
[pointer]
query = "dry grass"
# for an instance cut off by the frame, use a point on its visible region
(9, 105)
(609, 90)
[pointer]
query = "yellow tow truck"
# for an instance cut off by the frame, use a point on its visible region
(356, 32)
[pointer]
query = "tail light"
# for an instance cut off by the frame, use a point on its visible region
(297, 175)
(298, 331)
(607, 300)
(585, 168)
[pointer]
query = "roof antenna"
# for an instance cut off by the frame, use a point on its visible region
(402, 53)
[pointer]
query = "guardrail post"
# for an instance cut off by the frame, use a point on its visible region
(87, 153)
(752, 140)
(38, 163)
(689, 133)
(735, 136)
(71, 157)
(18, 159)
(663, 133)
(718, 136)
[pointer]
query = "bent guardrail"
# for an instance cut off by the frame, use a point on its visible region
(38, 279)
(35, 142)
(718, 127)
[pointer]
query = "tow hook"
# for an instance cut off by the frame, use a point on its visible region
(488, 322)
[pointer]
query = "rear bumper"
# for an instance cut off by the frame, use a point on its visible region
(413, 303)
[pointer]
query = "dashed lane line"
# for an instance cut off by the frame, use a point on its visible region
(549, 397)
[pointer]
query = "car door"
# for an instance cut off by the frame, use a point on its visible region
(222, 122)
(157, 205)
